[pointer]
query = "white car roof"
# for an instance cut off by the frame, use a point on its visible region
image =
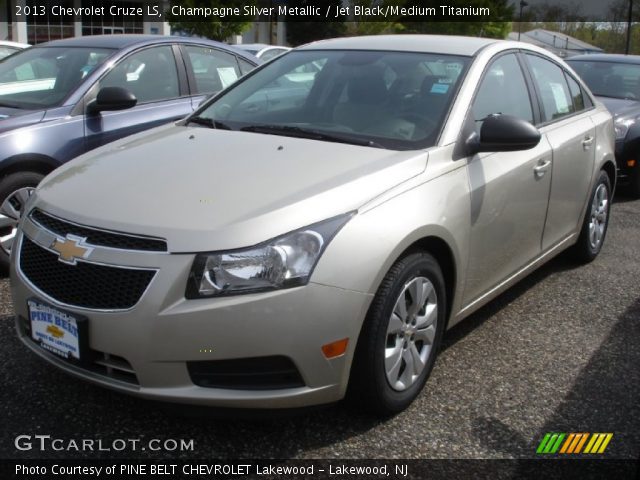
(447, 44)
(7, 43)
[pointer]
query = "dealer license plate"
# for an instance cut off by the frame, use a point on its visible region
(54, 330)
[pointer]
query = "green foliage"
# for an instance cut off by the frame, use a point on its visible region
(299, 33)
(213, 27)
(498, 25)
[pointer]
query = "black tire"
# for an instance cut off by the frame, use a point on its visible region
(634, 187)
(585, 251)
(369, 386)
(9, 184)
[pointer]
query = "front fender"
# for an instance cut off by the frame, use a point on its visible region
(372, 241)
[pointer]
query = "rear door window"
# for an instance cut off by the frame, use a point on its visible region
(552, 85)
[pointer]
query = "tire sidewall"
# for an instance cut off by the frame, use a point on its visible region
(416, 265)
(8, 185)
(592, 252)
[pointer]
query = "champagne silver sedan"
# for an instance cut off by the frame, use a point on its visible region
(297, 240)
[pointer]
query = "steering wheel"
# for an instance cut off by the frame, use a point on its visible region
(422, 122)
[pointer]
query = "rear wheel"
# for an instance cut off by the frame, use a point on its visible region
(15, 190)
(400, 338)
(596, 221)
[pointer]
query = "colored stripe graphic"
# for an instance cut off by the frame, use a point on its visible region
(543, 443)
(607, 439)
(572, 443)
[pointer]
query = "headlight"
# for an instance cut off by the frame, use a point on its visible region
(622, 126)
(283, 262)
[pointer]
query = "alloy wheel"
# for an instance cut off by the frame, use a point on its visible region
(410, 333)
(10, 212)
(598, 220)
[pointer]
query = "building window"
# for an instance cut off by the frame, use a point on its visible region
(47, 27)
(111, 24)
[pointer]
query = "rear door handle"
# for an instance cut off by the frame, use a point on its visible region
(587, 142)
(542, 167)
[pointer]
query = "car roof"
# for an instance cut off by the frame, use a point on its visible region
(122, 41)
(606, 57)
(256, 46)
(447, 44)
(7, 43)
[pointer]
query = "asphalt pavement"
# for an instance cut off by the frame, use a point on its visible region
(559, 352)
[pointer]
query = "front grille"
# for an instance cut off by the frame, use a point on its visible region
(98, 237)
(259, 373)
(84, 285)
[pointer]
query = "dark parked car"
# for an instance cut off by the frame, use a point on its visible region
(615, 81)
(63, 98)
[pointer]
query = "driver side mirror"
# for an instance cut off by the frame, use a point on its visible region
(503, 133)
(112, 98)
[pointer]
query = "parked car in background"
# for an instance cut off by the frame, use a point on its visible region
(282, 257)
(8, 48)
(615, 81)
(263, 51)
(62, 98)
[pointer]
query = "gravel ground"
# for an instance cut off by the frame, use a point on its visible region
(556, 353)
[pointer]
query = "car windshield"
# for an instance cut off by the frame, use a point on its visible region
(610, 79)
(395, 100)
(43, 77)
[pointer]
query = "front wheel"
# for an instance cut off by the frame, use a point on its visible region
(15, 190)
(400, 338)
(596, 221)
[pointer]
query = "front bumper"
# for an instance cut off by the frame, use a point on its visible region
(625, 151)
(163, 331)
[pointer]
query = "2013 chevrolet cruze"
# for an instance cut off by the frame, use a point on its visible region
(282, 249)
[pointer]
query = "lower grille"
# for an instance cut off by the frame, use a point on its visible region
(260, 373)
(114, 367)
(86, 285)
(101, 363)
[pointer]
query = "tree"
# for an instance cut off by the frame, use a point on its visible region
(299, 33)
(498, 25)
(216, 27)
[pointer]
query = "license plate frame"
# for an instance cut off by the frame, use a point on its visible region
(58, 331)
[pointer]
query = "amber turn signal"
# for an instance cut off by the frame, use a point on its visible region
(335, 349)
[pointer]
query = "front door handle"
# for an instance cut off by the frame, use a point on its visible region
(587, 142)
(542, 167)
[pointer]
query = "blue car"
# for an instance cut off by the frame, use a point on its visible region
(63, 98)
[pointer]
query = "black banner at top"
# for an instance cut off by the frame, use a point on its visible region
(558, 11)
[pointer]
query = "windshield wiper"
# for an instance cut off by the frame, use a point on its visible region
(299, 132)
(8, 105)
(208, 122)
(614, 96)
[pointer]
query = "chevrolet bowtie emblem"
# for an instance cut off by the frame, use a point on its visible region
(70, 249)
(55, 331)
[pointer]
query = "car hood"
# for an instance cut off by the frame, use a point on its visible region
(12, 118)
(621, 107)
(204, 189)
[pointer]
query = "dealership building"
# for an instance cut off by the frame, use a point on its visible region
(38, 21)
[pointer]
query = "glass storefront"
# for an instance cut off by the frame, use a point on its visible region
(110, 24)
(44, 28)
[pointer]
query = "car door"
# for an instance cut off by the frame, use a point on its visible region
(509, 191)
(152, 75)
(567, 125)
(209, 70)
